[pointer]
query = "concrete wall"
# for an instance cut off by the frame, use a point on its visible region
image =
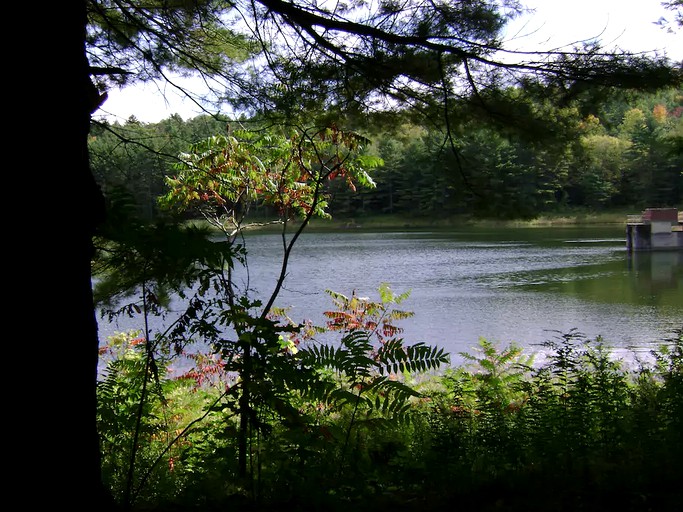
(643, 237)
(670, 240)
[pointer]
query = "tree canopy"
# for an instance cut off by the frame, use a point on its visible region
(338, 59)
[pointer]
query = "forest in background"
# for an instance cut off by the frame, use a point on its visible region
(608, 150)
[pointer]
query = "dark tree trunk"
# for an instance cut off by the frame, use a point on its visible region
(65, 467)
(92, 208)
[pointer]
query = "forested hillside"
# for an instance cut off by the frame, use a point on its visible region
(615, 150)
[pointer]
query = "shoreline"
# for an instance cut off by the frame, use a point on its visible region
(394, 222)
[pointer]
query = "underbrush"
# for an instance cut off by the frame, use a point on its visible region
(582, 431)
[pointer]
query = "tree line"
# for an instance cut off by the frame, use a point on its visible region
(622, 150)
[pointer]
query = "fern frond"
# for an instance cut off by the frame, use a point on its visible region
(341, 397)
(395, 357)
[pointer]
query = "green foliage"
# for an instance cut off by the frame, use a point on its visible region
(366, 372)
(310, 402)
(179, 36)
(224, 176)
(498, 430)
(161, 255)
(136, 157)
(269, 382)
(140, 412)
(601, 150)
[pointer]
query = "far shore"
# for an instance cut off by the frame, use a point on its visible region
(394, 222)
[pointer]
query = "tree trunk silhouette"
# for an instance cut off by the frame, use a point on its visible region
(68, 464)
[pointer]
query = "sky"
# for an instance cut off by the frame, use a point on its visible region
(628, 24)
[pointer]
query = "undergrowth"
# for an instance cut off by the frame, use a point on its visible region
(582, 431)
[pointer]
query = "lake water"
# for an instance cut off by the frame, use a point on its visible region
(515, 285)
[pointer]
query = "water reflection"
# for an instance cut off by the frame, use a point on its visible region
(655, 272)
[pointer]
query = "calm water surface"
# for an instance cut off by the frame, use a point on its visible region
(517, 285)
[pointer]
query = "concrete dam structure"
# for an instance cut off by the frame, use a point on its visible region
(656, 229)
